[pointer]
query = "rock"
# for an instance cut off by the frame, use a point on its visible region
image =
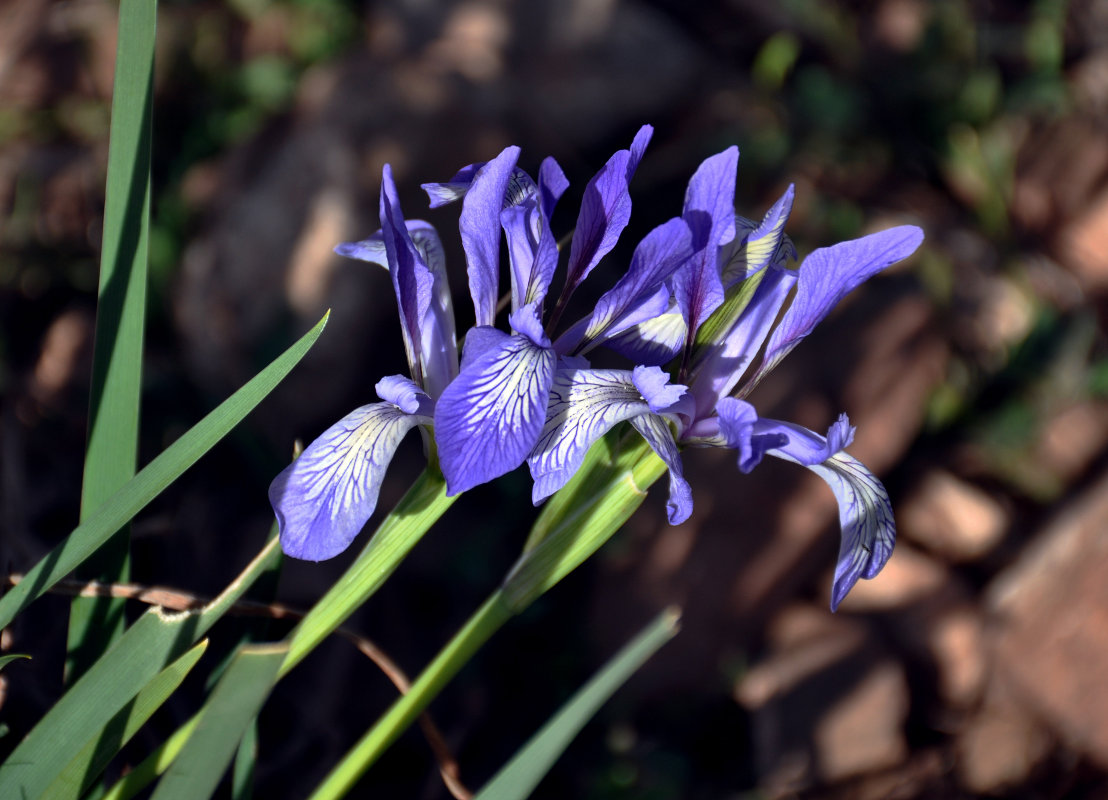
(826, 704)
(999, 748)
(952, 518)
(1050, 613)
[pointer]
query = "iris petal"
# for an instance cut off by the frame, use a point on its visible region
(828, 275)
(488, 419)
(865, 512)
(326, 496)
(653, 341)
(753, 250)
(584, 405)
(480, 228)
(710, 212)
(657, 434)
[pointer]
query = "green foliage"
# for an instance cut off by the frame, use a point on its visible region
(519, 777)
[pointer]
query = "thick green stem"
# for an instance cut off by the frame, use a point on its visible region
(483, 624)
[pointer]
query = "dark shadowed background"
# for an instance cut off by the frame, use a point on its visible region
(976, 373)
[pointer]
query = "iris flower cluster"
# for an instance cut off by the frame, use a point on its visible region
(701, 313)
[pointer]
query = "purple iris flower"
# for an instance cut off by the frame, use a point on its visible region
(490, 418)
(725, 300)
(325, 497)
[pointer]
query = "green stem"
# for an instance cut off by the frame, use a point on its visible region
(413, 516)
(482, 625)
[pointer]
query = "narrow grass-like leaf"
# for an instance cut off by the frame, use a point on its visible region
(246, 757)
(79, 774)
(82, 713)
(233, 704)
(604, 497)
(157, 475)
(112, 453)
(483, 624)
(153, 765)
(413, 516)
(519, 777)
(5, 660)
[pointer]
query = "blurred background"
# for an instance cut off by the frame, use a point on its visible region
(977, 373)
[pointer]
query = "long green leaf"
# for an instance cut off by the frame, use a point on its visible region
(519, 777)
(233, 704)
(157, 475)
(111, 457)
(5, 660)
(79, 774)
(413, 516)
(82, 713)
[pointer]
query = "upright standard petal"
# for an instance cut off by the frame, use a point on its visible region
(753, 250)
(865, 512)
(411, 279)
(326, 496)
(660, 252)
(605, 212)
(652, 341)
(552, 185)
(828, 275)
(710, 213)
(718, 371)
(480, 229)
(532, 252)
(489, 418)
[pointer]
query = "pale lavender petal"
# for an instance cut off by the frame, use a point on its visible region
(326, 496)
(584, 405)
(405, 394)
(738, 428)
(480, 229)
(552, 184)
(657, 434)
(828, 275)
(752, 250)
(718, 369)
(654, 386)
(654, 341)
(532, 252)
(440, 194)
(605, 212)
(865, 512)
(660, 252)
(489, 418)
(423, 235)
(866, 520)
(710, 212)
(411, 279)
(807, 447)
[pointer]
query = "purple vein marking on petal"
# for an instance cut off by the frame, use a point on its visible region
(584, 405)
(326, 496)
(828, 275)
(480, 229)
(657, 434)
(488, 419)
(866, 520)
